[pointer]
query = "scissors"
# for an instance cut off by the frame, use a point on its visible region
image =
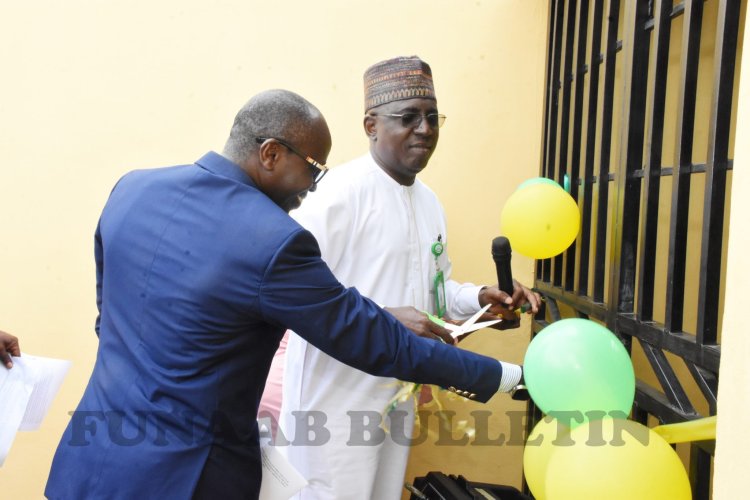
(468, 326)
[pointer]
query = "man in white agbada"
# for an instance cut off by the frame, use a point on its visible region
(377, 227)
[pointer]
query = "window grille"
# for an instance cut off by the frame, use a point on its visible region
(640, 107)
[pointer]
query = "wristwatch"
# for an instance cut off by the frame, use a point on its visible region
(519, 393)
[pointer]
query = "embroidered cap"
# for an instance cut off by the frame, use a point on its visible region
(397, 79)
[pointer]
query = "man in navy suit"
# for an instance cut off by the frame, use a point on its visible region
(199, 272)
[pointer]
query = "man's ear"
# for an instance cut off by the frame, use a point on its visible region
(269, 154)
(371, 127)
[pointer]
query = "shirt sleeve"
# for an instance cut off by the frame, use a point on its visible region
(511, 376)
(463, 299)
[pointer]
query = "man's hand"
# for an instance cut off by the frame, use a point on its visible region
(8, 346)
(504, 306)
(419, 323)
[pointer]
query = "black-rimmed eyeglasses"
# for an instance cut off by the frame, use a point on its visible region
(319, 170)
(414, 120)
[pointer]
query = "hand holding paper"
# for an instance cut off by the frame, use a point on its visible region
(8, 347)
(26, 393)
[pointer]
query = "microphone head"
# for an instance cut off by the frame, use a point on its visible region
(501, 247)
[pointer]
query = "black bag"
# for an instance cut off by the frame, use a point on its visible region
(438, 486)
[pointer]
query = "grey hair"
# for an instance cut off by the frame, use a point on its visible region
(276, 113)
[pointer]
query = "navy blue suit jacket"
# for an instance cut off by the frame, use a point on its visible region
(198, 275)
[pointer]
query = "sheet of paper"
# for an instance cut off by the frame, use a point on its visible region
(280, 479)
(15, 391)
(48, 375)
(26, 393)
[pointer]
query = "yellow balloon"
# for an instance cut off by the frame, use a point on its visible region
(700, 429)
(540, 220)
(615, 459)
(546, 435)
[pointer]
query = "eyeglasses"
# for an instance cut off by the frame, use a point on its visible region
(414, 120)
(319, 170)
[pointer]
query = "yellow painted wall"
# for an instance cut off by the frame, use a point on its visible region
(93, 89)
(732, 436)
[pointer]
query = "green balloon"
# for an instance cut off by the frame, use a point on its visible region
(577, 370)
(537, 180)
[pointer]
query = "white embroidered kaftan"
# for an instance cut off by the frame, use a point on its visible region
(376, 235)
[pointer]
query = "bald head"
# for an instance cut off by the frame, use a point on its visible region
(277, 113)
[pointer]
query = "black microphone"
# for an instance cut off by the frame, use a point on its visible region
(501, 255)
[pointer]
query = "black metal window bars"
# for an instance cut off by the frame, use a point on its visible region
(639, 114)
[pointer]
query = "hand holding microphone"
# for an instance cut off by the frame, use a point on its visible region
(516, 298)
(501, 253)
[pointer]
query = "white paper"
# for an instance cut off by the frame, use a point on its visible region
(280, 479)
(15, 392)
(48, 375)
(26, 393)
